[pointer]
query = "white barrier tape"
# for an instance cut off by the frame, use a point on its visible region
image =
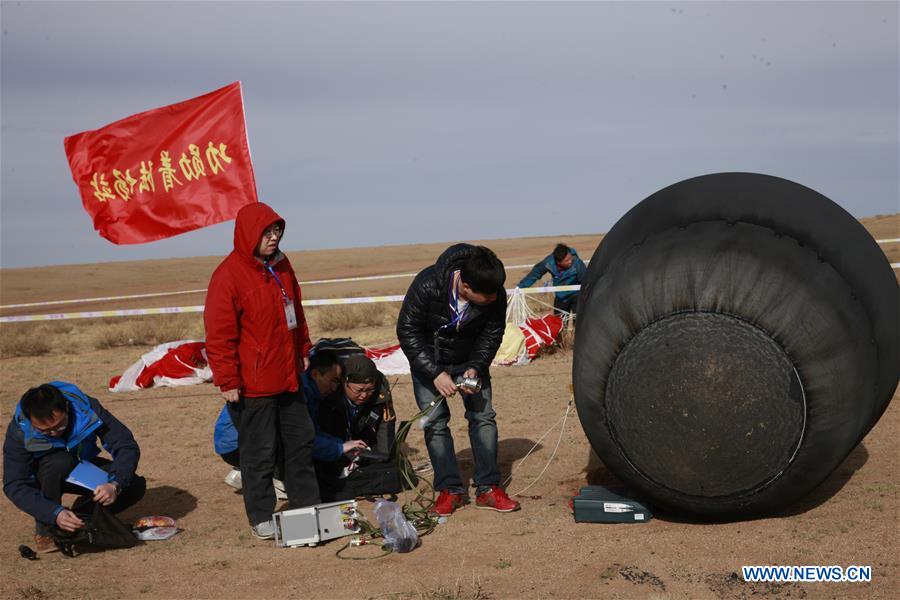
(103, 299)
(311, 282)
(98, 314)
(203, 291)
(133, 312)
(549, 288)
(392, 276)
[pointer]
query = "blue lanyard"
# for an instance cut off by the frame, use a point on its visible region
(350, 408)
(275, 275)
(454, 303)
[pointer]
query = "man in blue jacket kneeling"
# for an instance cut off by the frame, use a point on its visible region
(56, 425)
(566, 268)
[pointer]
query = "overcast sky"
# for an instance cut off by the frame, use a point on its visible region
(393, 123)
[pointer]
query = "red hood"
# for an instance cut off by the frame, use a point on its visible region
(249, 225)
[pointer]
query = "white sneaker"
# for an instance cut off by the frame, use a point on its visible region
(280, 494)
(264, 530)
(234, 479)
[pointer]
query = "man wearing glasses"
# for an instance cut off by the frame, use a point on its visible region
(55, 426)
(355, 434)
(257, 344)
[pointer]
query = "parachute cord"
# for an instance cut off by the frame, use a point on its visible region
(566, 413)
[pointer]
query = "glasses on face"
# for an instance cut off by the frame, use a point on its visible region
(273, 231)
(57, 429)
(360, 389)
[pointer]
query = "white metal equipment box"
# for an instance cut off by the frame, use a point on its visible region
(313, 524)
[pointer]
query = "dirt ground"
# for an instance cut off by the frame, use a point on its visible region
(538, 552)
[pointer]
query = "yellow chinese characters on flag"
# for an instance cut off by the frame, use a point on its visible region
(166, 171)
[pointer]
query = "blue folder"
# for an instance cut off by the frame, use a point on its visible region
(88, 475)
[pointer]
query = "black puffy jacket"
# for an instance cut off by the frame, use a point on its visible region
(426, 310)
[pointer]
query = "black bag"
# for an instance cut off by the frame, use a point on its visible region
(342, 347)
(369, 479)
(101, 529)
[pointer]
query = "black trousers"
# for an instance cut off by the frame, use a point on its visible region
(264, 424)
(233, 459)
(570, 304)
(54, 468)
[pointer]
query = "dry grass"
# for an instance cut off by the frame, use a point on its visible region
(148, 331)
(32, 339)
(346, 317)
(17, 340)
(69, 337)
(566, 340)
(62, 337)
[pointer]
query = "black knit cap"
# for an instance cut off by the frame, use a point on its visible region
(359, 368)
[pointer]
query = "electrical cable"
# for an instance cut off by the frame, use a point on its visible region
(417, 511)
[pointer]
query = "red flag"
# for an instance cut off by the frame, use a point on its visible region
(166, 171)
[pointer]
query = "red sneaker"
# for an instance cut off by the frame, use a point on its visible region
(496, 499)
(447, 502)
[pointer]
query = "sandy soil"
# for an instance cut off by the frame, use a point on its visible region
(539, 552)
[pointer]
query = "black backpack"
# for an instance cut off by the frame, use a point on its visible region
(342, 347)
(101, 530)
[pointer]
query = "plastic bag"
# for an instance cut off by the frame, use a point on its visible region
(154, 528)
(399, 534)
(155, 533)
(153, 521)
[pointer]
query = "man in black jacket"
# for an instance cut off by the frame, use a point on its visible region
(452, 324)
(55, 426)
(355, 427)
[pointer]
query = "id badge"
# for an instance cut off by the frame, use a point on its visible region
(289, 314)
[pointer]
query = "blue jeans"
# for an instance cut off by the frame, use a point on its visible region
(482, 436)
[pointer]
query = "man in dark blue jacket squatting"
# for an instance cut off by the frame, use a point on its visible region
(55, 426)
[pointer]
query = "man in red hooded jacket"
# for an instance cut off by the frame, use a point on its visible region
(257, 343)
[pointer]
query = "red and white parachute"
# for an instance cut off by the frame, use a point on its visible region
(184, 362)
(167, 365)
(526, 331)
